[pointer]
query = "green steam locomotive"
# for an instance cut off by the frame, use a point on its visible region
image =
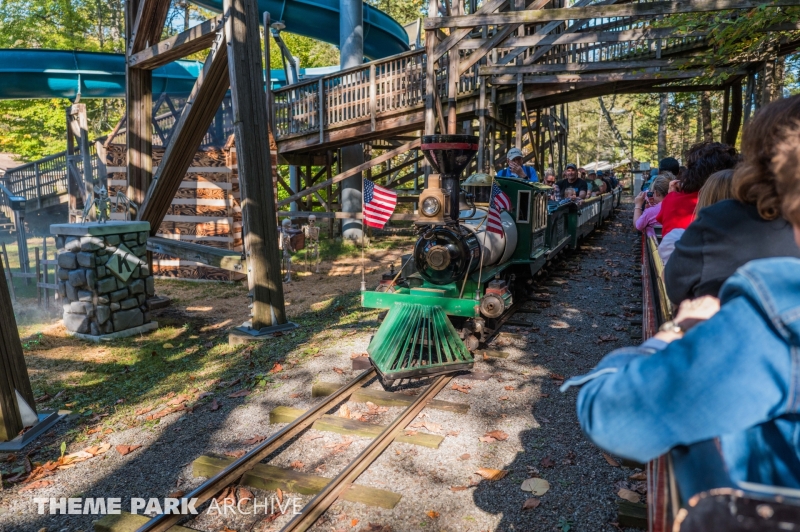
(468, 268)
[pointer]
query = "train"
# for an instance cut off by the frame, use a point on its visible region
(468, 269)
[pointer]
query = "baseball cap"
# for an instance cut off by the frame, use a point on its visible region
(600, 173)
(513, 153)
(570, 165)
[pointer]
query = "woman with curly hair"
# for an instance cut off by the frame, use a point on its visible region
(730, 233)
(677, 209)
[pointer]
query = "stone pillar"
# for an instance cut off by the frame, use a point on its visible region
(103, 278)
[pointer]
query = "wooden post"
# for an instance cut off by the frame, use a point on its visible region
(373, 96)
(255, 168)
(38, 277)
(45, 273)
(430, 73)
(481, 125)
(13, 372)
(7, 270)
(518, 116)
(139, 117)
(38, 175)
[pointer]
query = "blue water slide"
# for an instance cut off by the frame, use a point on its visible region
(26, 74)
(319, 19)
(63, 74)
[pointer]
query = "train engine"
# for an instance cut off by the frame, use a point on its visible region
(466, 268)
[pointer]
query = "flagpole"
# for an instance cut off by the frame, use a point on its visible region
(363, 230)
(485, 230)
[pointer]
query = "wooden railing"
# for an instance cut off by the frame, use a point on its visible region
(369, 92)
(42, 179)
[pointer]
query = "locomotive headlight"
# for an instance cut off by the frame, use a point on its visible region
(430, 206)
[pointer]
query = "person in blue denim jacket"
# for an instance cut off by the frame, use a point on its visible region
(730, 372)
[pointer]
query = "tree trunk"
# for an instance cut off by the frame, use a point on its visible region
(662, 125)
(735, 121)
(705, 113)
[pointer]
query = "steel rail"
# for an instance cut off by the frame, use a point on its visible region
(344, 480)
(234, 471)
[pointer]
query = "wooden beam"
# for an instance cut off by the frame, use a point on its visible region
(150, 16)
(210, 256)
(178, 46)
(497, 70)
(251, 128)
(187, 133)
(606, 77)
(648, 9)
(351, 172)
(13, 372)
(495, 40)
(455, 36)
(583, 37)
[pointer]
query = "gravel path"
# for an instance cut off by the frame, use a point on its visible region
(440, 491)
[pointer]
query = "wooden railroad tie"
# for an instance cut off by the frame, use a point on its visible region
(268, 477)
(127, 522)
(352, 427)
(383, 398)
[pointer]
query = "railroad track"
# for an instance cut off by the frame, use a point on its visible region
(234, 472)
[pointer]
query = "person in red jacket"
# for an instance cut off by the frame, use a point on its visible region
(678, 208)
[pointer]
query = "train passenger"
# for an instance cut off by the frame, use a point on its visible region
(733, 232)
(647, 204)
(677, 209)
(571, 180)
(600, 187)
(516, 168)
(610, 179)
(700, 378)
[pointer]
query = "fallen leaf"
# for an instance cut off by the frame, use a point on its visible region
(354, 522)
(37, 485)
(537, 486)
(509, 388)
(458, 488)
(497, 435)
(641, 475)
(460, 388)
(279, 495)
(491, 474)
(236, 454)
(295, 395)
(557, 377)
(145, 410)
(410, 432)
(94, 430)
(297, 464)
(339, 447)
(606, 338)
(240, 393)
(610, 460)
(276, 368)
(126, 449)
(547, 462)
(338, 370)
(108, 431)
(628, 495)
(254, 440)
(487, 439)
(544, 395)
(531, 503)
(453, 433)
(504, 398)
(570, 458)
(464, 456)
(245, 494)
(344, 412)
(214, 405)
(432, 514)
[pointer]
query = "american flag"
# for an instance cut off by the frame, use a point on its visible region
(499, 201)
(379, 204)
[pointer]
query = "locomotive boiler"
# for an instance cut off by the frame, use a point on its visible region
(461, 277)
